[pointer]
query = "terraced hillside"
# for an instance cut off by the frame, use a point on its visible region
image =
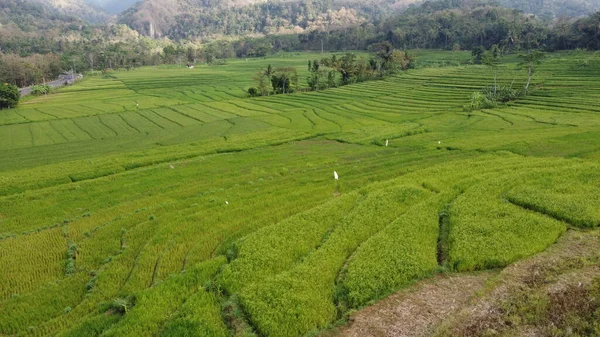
(163, 202)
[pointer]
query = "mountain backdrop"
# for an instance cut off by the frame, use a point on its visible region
(112, 6)
(212, 19)
(185, 19)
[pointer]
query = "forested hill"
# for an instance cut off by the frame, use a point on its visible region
(553, 8)
(23, 18)
(49, 13)
(180, 19)
(193, 19)
(112, 6)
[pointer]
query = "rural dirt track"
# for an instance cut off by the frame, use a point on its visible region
(417, 310)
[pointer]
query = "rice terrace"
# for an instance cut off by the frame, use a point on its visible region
(163, 201)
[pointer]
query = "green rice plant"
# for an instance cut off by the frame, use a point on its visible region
(571, 195)
(299, 255)
(488, 232)
(277, 248)
(92, 327)
(401, 253)
(200, 316)
(154, 306)
(42, 304)
(301, 300)
(33, 266)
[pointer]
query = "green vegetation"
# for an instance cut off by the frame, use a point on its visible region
(40, 89)
(162, 201)
(9, 96)
(155, 32)
(324, 72)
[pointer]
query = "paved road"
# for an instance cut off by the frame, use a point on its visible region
(62, 79)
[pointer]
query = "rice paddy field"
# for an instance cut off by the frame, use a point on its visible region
(164, 202)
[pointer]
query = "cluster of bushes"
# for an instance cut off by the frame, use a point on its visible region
(492, 97)
(275, 81)
(40, 89)
(334, 71)
(9, 96)
(217, 62)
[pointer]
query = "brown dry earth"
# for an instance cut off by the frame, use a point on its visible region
(418, 310)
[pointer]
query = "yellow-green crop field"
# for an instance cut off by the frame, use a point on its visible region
(164, 202)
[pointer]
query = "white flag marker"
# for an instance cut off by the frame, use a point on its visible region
(171, 166)
(387, 142)
(439, 142)
(226, 202)
(335, 175)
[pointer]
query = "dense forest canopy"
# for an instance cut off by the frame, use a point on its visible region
(215, 18)
(202, 19)
(553, 8)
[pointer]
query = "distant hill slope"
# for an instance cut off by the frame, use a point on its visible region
(76, 8)
(183, 19)
(112, 6)
(214, 18)
(24, 18)
(554, 8)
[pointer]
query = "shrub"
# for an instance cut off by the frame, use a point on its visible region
(491, 97)
(121, 305)
(479, 101)
(9, 96)
(40, 89)
(71, 256)
(502, 94)
(218, 62)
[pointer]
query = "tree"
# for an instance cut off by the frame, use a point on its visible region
(191, 55)
(491, 59)
(316, 75)
(530, 61)
(282, 80)
(9, 96)
(269, 71)
(90, 58)
(263, 83)
(478, 53)
(347, 68)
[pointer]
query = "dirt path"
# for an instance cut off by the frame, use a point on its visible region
(416, 311)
